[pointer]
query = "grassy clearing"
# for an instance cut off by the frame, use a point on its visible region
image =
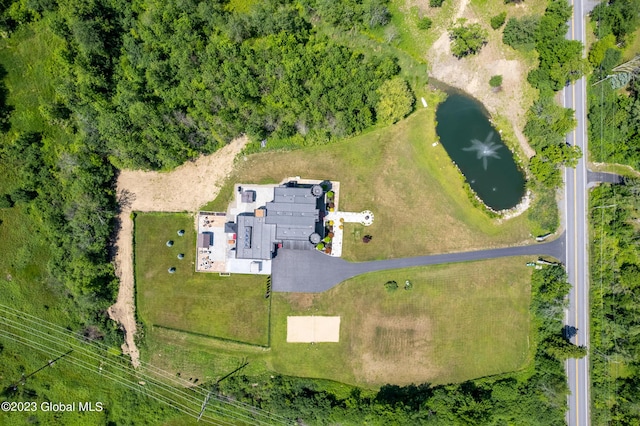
(632, 49)
(24, 281)
(28, 55)
(621, 169)
(410, 185)
(457, 322)
(224, 307)
(404, 22)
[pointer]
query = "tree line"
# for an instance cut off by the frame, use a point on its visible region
(615, 308)
(547, 124)
(614, 98)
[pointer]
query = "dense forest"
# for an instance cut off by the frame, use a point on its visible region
(167, 81)
(614, 97)
(615, 308)
(614, 136)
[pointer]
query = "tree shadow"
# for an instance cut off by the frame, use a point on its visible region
(568, 331)
(411, 396)
(125, 199)
(5, 110)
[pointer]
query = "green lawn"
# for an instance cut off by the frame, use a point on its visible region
(411, 186)
(458, 322)
(231, 308)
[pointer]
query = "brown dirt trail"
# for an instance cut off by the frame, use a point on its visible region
(184, 189)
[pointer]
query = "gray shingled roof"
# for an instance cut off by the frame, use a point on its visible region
(255, 238)
(290, 217)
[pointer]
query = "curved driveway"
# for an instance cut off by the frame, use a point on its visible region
(309, 271)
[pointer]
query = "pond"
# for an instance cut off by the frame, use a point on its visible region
(477, 149)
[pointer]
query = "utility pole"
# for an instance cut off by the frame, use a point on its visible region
(14, 386)
(215, 387)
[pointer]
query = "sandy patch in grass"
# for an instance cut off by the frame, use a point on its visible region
(472, 74)
(313, 329)
(184, 189)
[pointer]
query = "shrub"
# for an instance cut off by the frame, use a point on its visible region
(5, 201)
(521, 33)
(599, 49)
(391, 286)
(396, 100)
(498, 20)
(425, 23)
(435, 3)
(467, 40)
(495, 81)
(22, 196)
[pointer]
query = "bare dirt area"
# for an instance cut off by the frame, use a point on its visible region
(313, 329)
(399, 350)
(184, 189)
(472, 74)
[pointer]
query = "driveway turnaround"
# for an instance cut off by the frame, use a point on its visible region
(309, 271)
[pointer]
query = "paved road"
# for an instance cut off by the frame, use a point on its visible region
(577, 315)
(310, 271)
(598, 177)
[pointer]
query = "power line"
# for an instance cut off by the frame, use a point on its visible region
(172, 391)
(48, 364)
(156, 371)
(236, 411)
(89, 367)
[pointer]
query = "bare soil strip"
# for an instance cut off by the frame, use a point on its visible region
(184, 189)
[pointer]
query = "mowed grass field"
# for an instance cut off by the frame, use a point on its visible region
(231, 308)
(412, 187)
(458, 322)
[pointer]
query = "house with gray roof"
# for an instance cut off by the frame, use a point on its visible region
(291, 220)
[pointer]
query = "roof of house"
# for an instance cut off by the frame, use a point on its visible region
(255, 239)
(290, 219)
(294, 211)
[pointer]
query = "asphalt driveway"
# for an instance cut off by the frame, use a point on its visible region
(309, 271)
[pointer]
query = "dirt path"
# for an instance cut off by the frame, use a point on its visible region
(472, 74)
(184, 189)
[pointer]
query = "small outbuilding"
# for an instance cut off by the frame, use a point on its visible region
(205, 240)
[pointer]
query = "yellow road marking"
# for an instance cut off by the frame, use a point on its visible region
(575, 225)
